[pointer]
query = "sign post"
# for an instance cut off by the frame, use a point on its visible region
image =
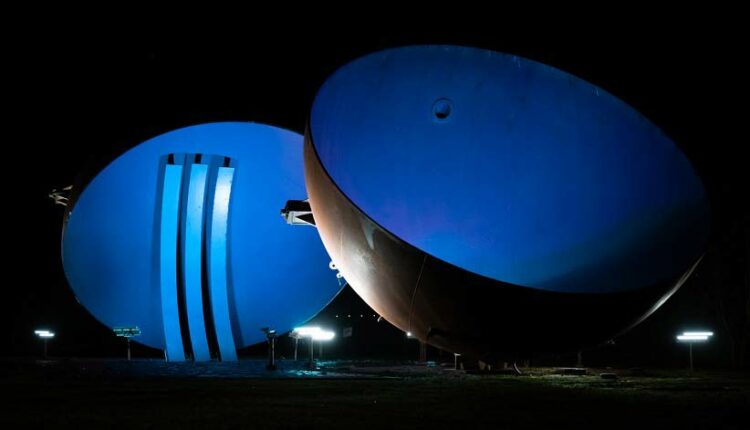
(127, 333)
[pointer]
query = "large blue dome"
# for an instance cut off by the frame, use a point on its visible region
(476, 199)
(510, 169)
(181, 236)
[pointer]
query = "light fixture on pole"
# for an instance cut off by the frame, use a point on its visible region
(691, 337)
(296, 336)
(271, 337)
(313, 333)
(422, 347)
(45, 335)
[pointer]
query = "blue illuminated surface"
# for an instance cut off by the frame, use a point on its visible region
(217, 264)
(277, 275)
(510, 169)
(193, 258)
(170, 217)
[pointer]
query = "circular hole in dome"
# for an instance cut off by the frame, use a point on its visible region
(442, 109)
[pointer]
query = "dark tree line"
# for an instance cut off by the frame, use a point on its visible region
(728, 260)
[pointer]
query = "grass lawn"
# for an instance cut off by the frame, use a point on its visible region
(446, 399)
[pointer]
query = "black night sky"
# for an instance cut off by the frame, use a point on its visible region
(81, 96)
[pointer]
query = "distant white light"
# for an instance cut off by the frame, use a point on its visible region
(44, 333)
(694, 336)
(408, 334)
(698, 333)
(307, 330)
(324, 335)
(691, 338)
(314, 332)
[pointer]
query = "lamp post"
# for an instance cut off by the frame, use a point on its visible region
(313, 334)
(294, 335)
(45, 335)
(422, 347)
(311, 362)
(271, 337)
(691, 337)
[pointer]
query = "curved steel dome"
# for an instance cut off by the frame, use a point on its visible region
(181, 236)
(486, 202)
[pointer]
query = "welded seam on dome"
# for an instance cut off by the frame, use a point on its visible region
(414, 292)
